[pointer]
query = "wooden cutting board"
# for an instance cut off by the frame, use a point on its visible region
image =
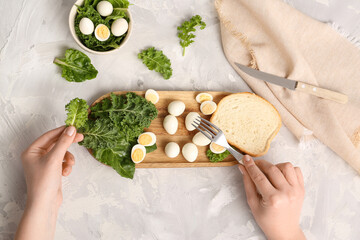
(158, 158)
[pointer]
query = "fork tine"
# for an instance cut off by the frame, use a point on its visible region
(205, 133)
(199, 123)
(204, 125)
(210, 123)
(204, 129)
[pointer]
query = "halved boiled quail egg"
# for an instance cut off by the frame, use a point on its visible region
(86, 26)
(152, 96)
(102, 32)
(172, 149)
(215, 148)
(200, 139)
(147, 139)
(202, 97)
(208, 107)
(190, 152)
(119, 27)
(176, 108)
(190, 119)
(138, 153)
(170, 124)
(105, 8)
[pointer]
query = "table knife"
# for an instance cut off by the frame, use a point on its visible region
(295, 85)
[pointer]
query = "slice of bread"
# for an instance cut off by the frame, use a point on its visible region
(248, 121)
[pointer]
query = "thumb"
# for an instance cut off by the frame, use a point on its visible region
(64, 141)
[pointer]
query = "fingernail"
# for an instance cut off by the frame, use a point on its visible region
(70, 131)
(247, 158)
(241, 170)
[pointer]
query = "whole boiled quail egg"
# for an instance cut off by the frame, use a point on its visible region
(147, 139)
(152, 96)
(176, 108)
(208, 107)
(190, 152)
(215, 148)
(190, 119)
(119, 27)
(105, 8)
(170, 124)
(138, 153)
(86, 26)
(200, 139)
(202, 97)
(102, 32)
(172, 149)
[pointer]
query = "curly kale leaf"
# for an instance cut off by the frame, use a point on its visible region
(113, 128)
(214, 157)
(101, 133)
(156, 60)
(185, 35)
(76, 66)
(77, 113)
(130, 113)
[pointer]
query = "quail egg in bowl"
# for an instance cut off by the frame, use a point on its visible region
(100, 27)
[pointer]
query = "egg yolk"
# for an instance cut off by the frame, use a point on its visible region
(152, 98)
(103, 32)
(217, 147)
(207, 109)
(145, 139)
(137, 155)
(204, 98)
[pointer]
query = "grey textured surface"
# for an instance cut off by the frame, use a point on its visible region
(201, 203)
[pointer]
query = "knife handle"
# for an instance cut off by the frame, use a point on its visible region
(321, 92)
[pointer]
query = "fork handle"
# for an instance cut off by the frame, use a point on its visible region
(238, 156)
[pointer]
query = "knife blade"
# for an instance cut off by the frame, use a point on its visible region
(294, 85)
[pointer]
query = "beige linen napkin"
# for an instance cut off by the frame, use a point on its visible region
(276, 38)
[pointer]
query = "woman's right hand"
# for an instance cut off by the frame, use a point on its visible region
(275, 194)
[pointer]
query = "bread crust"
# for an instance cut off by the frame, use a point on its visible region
(269, 139)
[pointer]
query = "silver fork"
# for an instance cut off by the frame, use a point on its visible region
(212, 132)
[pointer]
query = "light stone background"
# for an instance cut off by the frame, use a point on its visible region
(199, 203)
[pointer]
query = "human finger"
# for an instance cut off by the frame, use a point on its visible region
(273, 173)
(261, 182)
(45, 140)
(69, 161)
(78, 137)
(69, 158)
(250, 188)
(66, 169)
(64, 142)
(299, 176)
(289, 172)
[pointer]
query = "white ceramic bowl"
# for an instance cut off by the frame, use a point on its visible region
(72, 16)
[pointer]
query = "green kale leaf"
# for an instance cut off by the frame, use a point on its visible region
(151, 148)
(156, 60)
(101, 133)
(113, 128)
(185, 35)
(118, 158)
(76, 66)
(130, 113)
(214, 157)
(77, 113)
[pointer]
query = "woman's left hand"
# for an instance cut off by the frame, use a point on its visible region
(45, 162)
